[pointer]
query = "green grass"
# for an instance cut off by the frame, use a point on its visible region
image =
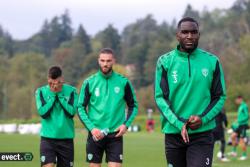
(140, 150)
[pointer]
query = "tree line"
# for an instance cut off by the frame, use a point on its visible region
(24, 63)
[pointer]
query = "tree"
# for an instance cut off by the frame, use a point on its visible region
(46, 39)
(189, 12)
(110, 37)
(66, 30)
(55, 32)
(4, 68)
(83, 38)
(26, 73)
(6, 43)
(72, 59)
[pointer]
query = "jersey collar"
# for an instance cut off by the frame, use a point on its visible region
(106, 76)
(185, 54)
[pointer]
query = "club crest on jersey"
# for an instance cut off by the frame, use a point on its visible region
(204, 72)
(97, 92)
(43, 158)
(90, 156)
(175, 75)
(170, 165)
(117, 89)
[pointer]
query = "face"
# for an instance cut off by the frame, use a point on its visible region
(106, 62)
(188, 36)
(238, 101)
(56, 84)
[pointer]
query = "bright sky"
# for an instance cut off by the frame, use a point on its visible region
(23, 18)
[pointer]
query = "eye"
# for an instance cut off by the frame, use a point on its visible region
(189, 31)
(194, 32)
(184, 31)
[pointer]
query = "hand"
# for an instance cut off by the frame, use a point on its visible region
(121, 130)
(194, 122)
(97, 134)
(184, 133)
(55, 84)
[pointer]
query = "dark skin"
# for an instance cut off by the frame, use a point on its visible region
(188, 37)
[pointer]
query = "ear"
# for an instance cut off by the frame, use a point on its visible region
(62, 79)
(177, 36)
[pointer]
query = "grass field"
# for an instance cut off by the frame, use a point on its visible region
(140, 150)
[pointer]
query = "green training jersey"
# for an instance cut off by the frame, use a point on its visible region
(188, 84)
(57, 111)
(103, 99)
(243, 115)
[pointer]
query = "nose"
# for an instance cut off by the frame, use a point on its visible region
(189, 35)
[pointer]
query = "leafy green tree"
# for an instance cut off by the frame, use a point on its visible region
(72, 59)
(26, 73)
(4, 68)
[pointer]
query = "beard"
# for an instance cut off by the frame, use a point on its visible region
(188, 49)
(106, 71)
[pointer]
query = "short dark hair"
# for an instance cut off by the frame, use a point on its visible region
(54, 72)
(107, 51)
(185, 19)
(239, 97)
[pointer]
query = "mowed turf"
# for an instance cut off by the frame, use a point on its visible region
(140, 150)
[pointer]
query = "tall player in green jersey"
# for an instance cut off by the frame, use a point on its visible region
(102, 109)
(189, 92)
(56, 104)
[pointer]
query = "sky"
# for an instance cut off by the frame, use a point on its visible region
(23, 18)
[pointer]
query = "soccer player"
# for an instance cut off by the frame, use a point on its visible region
(56, 104)
(240, 127)
(219, 134)
(189, 92)
(101, 108)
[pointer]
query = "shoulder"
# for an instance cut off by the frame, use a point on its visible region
(163, 59)
(207, 54)
(245, 105)
(42, 88)
(91, 78)
(120, 77)
(69, 87)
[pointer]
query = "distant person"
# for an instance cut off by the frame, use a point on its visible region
(56, 104)
(239, 128)
(189, 92)
(219, 134)
(150, 123)
(102, 109)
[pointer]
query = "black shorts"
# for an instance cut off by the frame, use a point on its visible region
(59, 151)
(197, 153)
(111, 145)
(219, 135)
(241, 131)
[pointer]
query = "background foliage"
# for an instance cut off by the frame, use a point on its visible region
(24, 64)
